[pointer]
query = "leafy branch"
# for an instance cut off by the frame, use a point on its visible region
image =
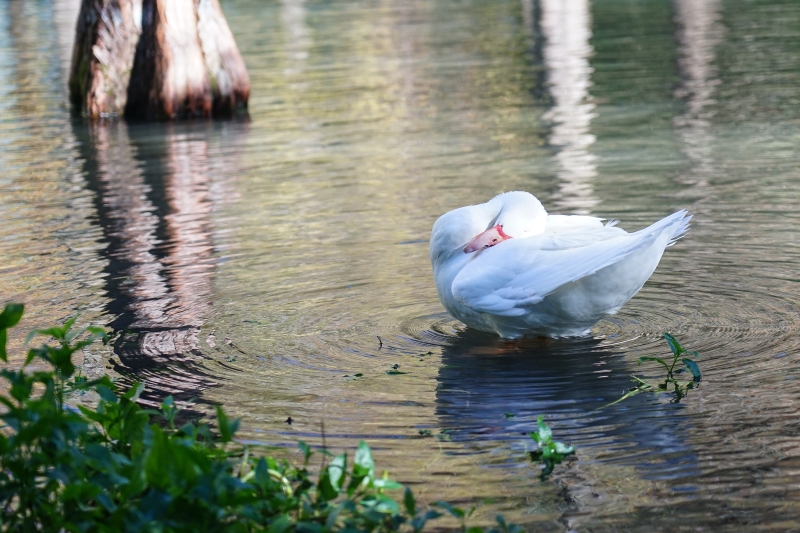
(680, 387)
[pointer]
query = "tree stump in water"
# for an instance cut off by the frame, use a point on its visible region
(187, 63)
(183, 63)
(169, 78)
(105, 41)
(230, 83)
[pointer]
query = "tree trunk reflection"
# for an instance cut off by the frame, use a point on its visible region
(153, 203)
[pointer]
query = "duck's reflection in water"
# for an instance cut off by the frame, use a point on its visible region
(493, 390)
(153, 202)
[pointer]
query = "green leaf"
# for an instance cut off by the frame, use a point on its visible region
(134, 392)
(107, 394)
(306, 449)
(418, 523)
(387, 484)
(55, 332)
(387, 506)
(337, 470)
(409, 502)
(545, 433)
(563, 449)
(693, 368)
(262, 473)
(3, 341)
(280, 524)
(674, 345)
(454, 511)
(11, 315)
(225, 427)
(68, 324)
(331, 479)
(648, 358)
(507, 528)
(363, 464)
(169, 411)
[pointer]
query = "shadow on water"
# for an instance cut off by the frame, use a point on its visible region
(153, 200)
(571, 382)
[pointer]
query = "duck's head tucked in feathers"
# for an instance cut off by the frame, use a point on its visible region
(476, 227)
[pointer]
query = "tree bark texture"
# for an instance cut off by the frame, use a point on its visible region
(187, 63)
(105, 41)
(230, 83)
(156, 60)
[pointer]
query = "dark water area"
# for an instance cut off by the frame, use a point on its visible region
(254, 263)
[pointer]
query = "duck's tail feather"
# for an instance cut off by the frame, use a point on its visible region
(682, 228)
(676, 225)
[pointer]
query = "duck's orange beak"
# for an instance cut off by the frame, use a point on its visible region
(487, 239)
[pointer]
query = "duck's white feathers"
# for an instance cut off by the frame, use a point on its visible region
(508, 279)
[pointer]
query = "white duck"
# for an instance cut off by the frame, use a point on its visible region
(508, 267)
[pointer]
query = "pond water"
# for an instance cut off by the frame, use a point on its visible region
(255, 263)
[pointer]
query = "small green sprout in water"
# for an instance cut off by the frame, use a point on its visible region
(394, 371)
(550, 452)
(680, 387)
(444, 435)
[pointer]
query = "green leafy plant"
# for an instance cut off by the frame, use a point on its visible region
(679, 387)
(121, 468)
(677, 352)
(549, 452)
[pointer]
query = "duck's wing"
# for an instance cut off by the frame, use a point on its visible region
(572, 222)
(505, 279)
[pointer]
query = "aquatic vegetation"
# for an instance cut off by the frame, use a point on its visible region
(394, 371)
(680, 387)
(119, 467)
(549, 452)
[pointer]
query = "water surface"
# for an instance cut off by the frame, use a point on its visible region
(255, 263)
